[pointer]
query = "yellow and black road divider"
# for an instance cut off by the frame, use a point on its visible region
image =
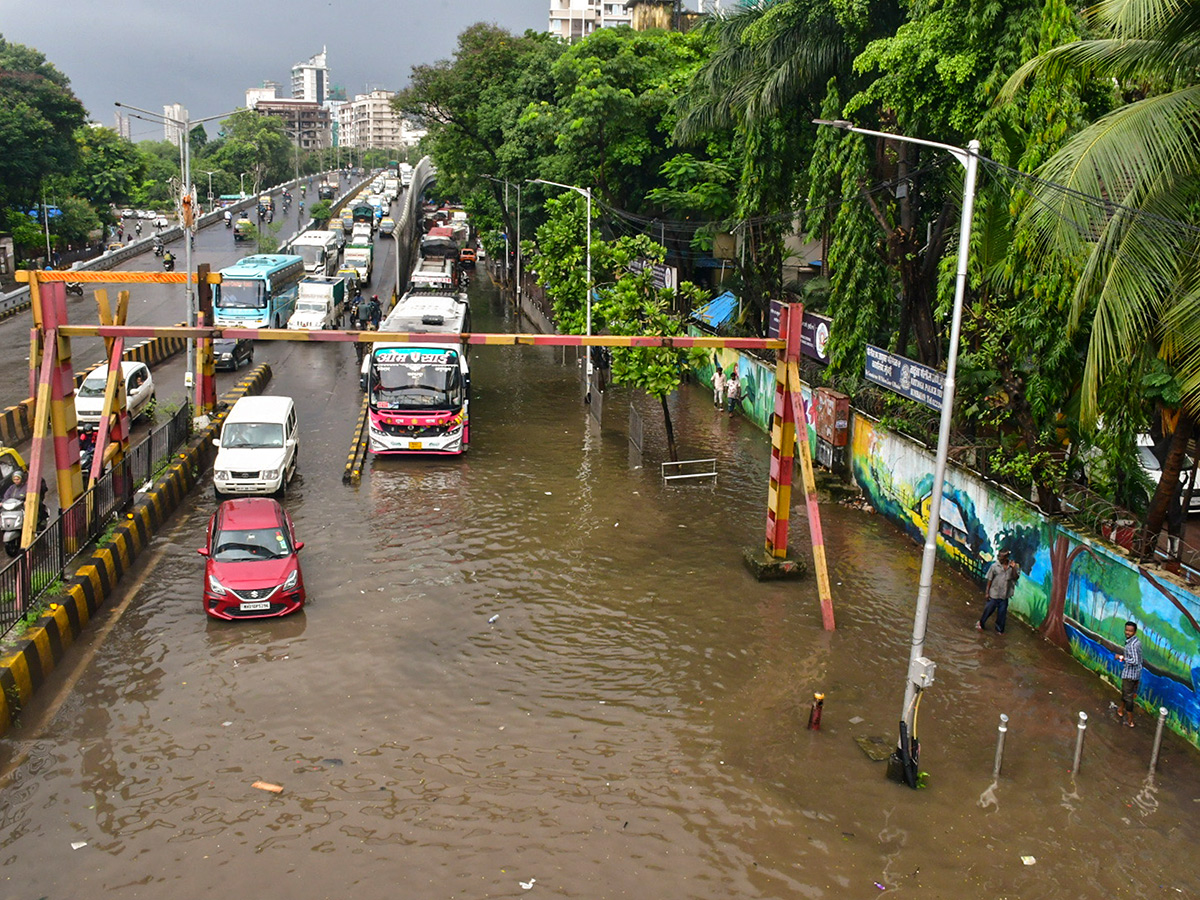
(358, 449)
(96, 577)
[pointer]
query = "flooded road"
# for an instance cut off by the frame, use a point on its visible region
(631, 725)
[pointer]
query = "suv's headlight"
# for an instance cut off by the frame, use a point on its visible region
(221, 475)
(215, 586)
(270, 473)
(291, 580)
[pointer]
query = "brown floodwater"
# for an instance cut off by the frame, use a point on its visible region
(539, 666)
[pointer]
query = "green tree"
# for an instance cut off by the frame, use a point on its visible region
(38, 118)
(254, 144)
(475, 106)
(1118, 201)
(110, 169)
(633, 306)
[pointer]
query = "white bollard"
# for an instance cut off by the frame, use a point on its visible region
(1162, 720)
(1001, 731)
(1082, 727)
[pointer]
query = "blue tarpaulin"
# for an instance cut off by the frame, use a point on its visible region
(718, 311)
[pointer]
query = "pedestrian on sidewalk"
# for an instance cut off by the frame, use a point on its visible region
(1131, 674)
(1001, 582)
(718, 386)
(733, 391)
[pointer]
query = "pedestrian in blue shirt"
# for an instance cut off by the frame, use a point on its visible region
(1131, 674)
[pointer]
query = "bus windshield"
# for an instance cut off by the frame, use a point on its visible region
(238, 293)
(412, 379)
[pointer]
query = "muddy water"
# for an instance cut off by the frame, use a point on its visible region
(631, 725)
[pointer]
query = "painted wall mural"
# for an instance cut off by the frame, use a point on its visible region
(1077, 592)
(758, 388)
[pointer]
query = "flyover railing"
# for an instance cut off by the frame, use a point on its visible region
(40, 569)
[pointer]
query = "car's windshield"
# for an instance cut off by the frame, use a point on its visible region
(93, 386)
(316, 306)
(251, 435)
(237, 293)
(243, 546)
(415, 379)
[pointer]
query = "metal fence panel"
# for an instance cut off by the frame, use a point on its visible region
(34, 572)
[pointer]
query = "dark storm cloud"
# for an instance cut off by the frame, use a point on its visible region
(204, 55)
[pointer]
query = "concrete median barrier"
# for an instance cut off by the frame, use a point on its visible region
(42, 647)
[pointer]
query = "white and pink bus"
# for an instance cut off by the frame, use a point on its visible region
(419, 393)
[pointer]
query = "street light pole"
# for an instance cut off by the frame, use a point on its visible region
(587, 193)
(242, 184)
(189, 227)
(210, 193)
(969, 159)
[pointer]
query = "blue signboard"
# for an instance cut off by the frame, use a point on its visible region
(905, 377)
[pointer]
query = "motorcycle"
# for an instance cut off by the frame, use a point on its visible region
(73, 287)
(159, 248)
(229, 222)
(168, 263)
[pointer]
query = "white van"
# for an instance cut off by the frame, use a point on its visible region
(259, 447)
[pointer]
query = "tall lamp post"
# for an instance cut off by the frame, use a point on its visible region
(506, 183)
(210, 193)
(188, 222)
(242, 184)
(920, 674)
(587, 193)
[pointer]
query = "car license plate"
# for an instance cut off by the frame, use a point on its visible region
(254, 607)
(414, 445)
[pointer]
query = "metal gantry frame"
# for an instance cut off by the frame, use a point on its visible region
(50, 362)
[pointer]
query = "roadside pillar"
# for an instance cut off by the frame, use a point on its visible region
(52, 312)
(772, 560)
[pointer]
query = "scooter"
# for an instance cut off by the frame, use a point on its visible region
(159, 248)
(12, 523)
(229, 222)
(168, 263)
(73, 287)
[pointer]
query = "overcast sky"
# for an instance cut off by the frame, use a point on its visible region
(205, 54)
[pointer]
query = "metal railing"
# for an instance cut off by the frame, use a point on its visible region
(35, 571)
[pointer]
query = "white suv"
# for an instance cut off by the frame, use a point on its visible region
(259, 448)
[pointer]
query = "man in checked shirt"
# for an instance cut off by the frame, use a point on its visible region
(1131, 675)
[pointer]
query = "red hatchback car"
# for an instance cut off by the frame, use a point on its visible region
(251, 565)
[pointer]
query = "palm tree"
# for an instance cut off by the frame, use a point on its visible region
(1120, 201)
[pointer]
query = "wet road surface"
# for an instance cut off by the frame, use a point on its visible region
(631, 725)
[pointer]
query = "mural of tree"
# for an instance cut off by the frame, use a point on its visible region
(1054, 627)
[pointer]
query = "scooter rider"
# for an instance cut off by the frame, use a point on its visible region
(169, 261)
(228, 218)
(158, 246)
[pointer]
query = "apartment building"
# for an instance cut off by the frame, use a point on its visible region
(575, 19)
(369, 122)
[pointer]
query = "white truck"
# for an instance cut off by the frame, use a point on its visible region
(360, 257)
(319, 304)
(406, 174)
(319, 248)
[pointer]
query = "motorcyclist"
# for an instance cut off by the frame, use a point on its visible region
(169, 261)
(158, 245)
(138, 229)
(18, 488)
(228, 219)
